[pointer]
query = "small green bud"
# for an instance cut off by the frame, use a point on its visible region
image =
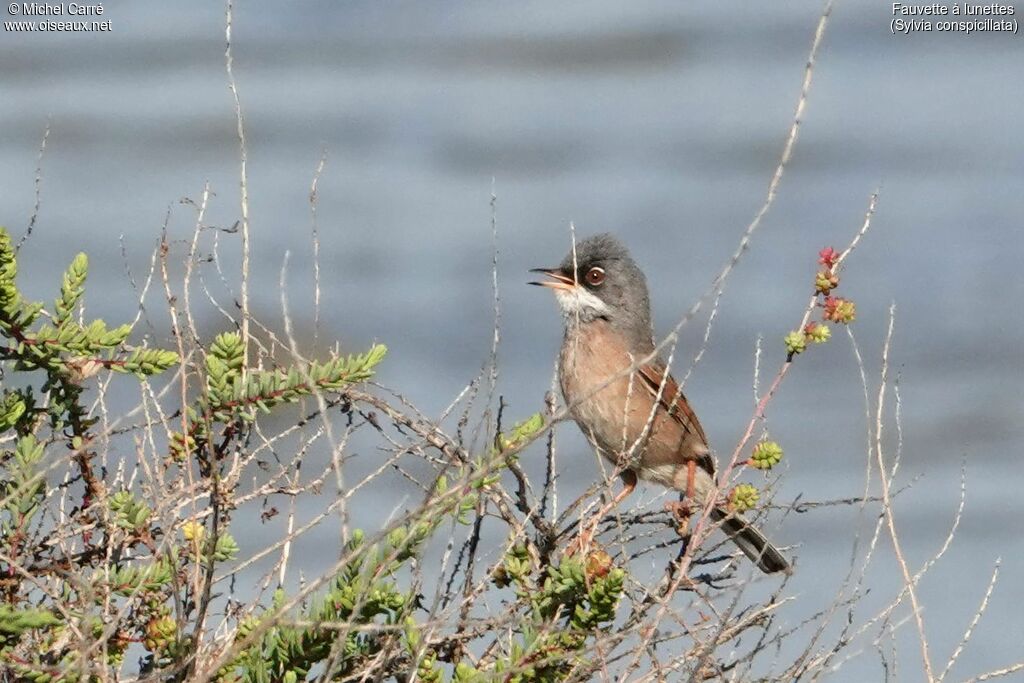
(743, 497)
(766, 455)
(181, 445)
(397, 537)
(817, 333)
(160, 633)
(825, 281)
(193, 531)
(796, 342)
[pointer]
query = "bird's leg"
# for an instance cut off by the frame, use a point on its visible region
(628, 486)
(587, 532)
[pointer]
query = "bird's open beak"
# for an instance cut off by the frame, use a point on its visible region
(557, 281)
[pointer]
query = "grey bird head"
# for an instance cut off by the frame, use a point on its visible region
(600, 280)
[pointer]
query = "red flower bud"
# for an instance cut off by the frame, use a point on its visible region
(840, 310)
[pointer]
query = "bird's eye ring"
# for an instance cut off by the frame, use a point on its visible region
(595, 276)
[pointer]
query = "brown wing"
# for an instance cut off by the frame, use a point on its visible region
(676, 405)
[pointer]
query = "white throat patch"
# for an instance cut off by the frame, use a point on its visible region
(580, 302)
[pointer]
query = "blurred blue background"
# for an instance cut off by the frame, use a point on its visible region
(659, 121)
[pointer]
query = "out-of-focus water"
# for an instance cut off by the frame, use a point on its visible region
(660, 121)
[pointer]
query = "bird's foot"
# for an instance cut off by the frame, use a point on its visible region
(682, 512)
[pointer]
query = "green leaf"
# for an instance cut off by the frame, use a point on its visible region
(72, 289)
(521, 432)
(144, 361)
(226, 548)
(12, 407)
(128, 512)
(14, 622)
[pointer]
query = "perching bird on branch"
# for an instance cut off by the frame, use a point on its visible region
(636, 418)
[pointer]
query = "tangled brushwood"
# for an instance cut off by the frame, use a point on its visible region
(118, 559)
(178, 505)
(101, 563)
(123, 554)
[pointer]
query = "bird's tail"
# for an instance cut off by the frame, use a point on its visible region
(751, 541)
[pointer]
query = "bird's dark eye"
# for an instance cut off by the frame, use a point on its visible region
(595, 276)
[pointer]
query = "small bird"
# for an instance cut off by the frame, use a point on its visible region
(639, 420)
